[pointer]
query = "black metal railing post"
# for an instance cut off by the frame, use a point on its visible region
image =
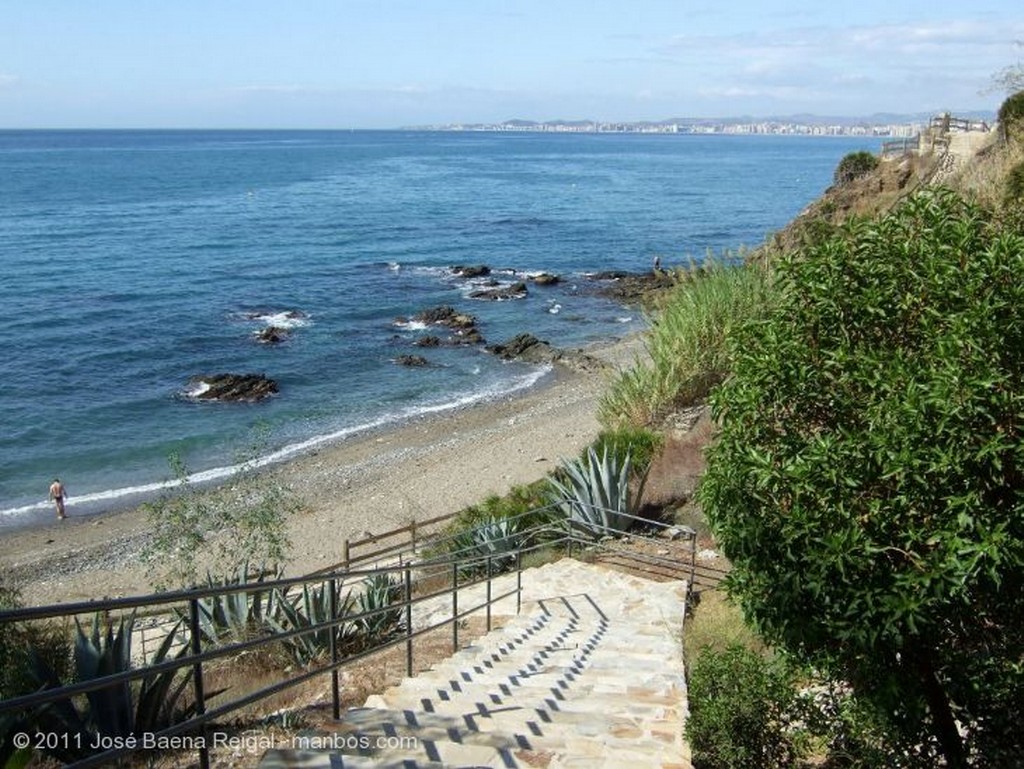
(196, 644)
(455, 607)
(488, 594)
(408, 621)
(335, 690)
(519, 581)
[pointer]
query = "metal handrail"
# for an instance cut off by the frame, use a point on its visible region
(566, 532)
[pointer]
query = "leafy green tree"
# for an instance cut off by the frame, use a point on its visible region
(868, 479)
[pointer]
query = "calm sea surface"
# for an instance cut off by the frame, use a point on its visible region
(132, 261)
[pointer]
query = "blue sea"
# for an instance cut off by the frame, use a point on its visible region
(132, 261)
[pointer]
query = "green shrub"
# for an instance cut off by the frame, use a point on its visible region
(686, 345)
(743, 709)
(528, 504)
(853, 166)
(865, 482)
(639, 443)
(1011, 116)
(243, 521)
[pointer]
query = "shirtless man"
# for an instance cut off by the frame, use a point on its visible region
(57, 494)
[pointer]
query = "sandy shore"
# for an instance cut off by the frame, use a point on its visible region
(374, 483)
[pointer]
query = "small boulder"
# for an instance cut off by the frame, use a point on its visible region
(272, 335)
(470, 270)
(545, 279)
(519, 346)
(446, 316)
(413, 361)
(232, 387)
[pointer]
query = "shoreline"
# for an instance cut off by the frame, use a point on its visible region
(374, 482)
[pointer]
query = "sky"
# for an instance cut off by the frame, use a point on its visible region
(395, 63)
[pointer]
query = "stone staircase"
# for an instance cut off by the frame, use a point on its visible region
(590, 674)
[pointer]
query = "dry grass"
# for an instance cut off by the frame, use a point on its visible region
(717, 623)
(985, 178)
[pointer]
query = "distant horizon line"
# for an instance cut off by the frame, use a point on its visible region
(804, 118)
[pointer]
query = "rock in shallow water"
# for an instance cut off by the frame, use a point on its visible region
(232, 387)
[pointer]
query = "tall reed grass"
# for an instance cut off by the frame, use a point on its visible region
(686, 343)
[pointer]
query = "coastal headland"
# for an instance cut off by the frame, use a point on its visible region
(369, 484)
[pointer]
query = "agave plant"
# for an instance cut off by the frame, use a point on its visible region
(239, 614)
(594, 492)
(118, 710)
(498, 538)
(384, 621)
(312, 612)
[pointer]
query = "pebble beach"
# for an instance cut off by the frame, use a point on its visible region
(370, 484)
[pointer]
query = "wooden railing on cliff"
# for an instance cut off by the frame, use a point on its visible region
(899, 147)
(947, 123)
(396, 543)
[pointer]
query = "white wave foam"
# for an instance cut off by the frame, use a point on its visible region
(104, 500)
(411, 325)
(284, 320)
(278, 318)
(197, 391)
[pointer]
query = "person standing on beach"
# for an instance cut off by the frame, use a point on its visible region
(58, 494)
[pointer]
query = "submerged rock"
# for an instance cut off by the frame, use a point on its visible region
(413, 361)
(516, 291)
(272, 335)
(232, 387)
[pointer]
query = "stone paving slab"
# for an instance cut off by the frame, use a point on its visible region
(590, 675)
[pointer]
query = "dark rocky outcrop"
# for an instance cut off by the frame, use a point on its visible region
(517, 290)
(530, 349)
(446, 316)
(633, 287)
(233, 387)
(545, 279)
(272, 335)
(462, 325)
(470, 270)
(428, 341)
(413, 361)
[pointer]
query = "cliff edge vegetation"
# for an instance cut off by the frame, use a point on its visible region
(863, 478)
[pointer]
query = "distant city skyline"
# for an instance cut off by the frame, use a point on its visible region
(394, 63)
